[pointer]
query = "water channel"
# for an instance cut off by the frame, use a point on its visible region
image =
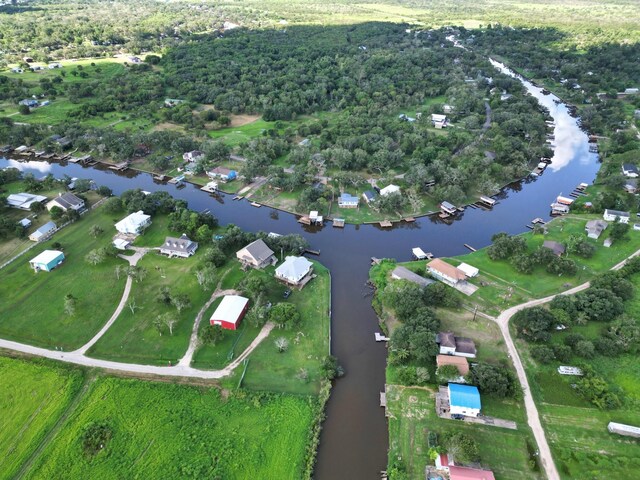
(354, 439)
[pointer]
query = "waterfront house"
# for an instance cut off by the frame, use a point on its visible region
(403, 273)
(230, 312)
(457, 346)
(445, 272)
(134, 224)
(464, 400)
(631, 185)
(295, 271)
(256, 255)
(616, 215)
(346, 200)
(66, 201)
(47, 260)
(182, 247)
(224, 174)
(44, 232)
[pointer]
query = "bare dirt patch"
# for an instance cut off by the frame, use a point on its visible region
(167, 126)
(240, 120)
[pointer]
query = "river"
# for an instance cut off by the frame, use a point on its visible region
(354, 440)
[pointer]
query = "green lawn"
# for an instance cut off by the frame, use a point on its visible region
(502, 286)
(162, 430)
(133, 337)
(32, 306)
(412, 416)
(32, 398)
(308, 343)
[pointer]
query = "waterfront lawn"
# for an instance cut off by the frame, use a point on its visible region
(32, 398)
(163, 430)
(32, 305)
(133, 337)
(502, 286)
(308, 344)
(412, 416)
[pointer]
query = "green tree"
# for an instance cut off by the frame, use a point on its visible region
(534, 324)
(284, 315)
(460, 446)
(493, 380)
(211, 334)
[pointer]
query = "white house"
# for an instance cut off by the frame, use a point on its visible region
(134, 224)
(66, 201)
(389, 189)
(23, 200)
(346, 200)
(438, 120)
(294, 270)
(629, 170)
(193, 156)
(445, 272)
(458, 346)
(182, 247)
(614, 215)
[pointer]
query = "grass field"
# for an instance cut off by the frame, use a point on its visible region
(412, 416)
(133, 337)
(172, 431)
(32, 398)
(504, 286)
(32, 304)
(308, 344)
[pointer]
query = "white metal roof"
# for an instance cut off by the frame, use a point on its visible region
(468, 270)
(389, 189)
(418, 253)
(294, 268)
(46, 256)
(230, 309)
(132, 223)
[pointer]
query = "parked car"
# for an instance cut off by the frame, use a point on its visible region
(286, 293)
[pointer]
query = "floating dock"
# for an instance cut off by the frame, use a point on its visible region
(312, 252)
(470, 247)
(380, 337)
(255, 204)
(487, 201)
(386, 224)
(118, 168)
(338, 222)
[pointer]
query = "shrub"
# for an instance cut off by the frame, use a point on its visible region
(95, 437)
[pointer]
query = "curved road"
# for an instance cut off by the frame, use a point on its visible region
(533, 418)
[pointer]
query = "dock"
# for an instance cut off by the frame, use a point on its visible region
(375, 261)
(538, 220)
(487, 201)
(383, 399)
(305, 220)
(409, 219)
(338, 222)
(418, 253)
(255, 204)
(381, 338)
(118, 167)
(159, 177)
(470, 247)
(238, 197)
(312, 252)
(386, 224)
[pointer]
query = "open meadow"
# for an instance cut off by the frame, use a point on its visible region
(33, 397)
(32, 303)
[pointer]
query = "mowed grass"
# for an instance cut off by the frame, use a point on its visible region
(32, 304)
(32, 398)
(502, 286)
(164, 430)
(308, 344)
(412, 416)
(133, 337)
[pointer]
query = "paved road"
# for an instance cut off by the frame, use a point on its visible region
(533, 418)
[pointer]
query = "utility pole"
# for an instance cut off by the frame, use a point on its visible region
(475, 311)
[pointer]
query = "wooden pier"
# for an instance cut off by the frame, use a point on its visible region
(338, 222)
(409, 219)
(238, 197)
(255, 204)
(538, 220)
(123, 166)
(490, 202)
(305, 220)
(470, 247)
(159, 177)
(312, 252)
(383, 399)
(386, 224)
(380, 337)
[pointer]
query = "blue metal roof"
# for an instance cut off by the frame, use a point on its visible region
(464, 396)
(347, 197)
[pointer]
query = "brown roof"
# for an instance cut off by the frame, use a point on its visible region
(465, 345)
(555, 247)
(446, 269)
(460, 362)
(465, 473)
(446, 339)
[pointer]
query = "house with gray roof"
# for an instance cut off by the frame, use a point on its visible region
(403, 273)
(256, 255)
(557, 248)
(182, 247)
(44, 232)
(594, 228)
(24, 200)
(66, 201)
(295, 271)
(616, 215)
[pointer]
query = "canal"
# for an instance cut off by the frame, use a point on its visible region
(354, 439)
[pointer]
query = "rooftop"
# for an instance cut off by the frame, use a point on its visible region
(446, 269)
(466, 396)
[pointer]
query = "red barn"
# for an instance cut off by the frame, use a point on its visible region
(230, 312)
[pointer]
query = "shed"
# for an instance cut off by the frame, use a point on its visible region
(121, 243)
(464, 400)
(44, 232)
(47, 260)
(24, 200)
(25, 223)
(230, 312)
(466, 473)
(468, 270)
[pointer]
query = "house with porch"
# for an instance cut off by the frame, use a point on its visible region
(616, 215)
(445, 272)
(295, 271)
(457, 346)
(67, 201)
(346, 200)
(182, 247)
(134, 224)
(256, 255)
(221, 173)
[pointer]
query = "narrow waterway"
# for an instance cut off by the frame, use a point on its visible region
(354, 439)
